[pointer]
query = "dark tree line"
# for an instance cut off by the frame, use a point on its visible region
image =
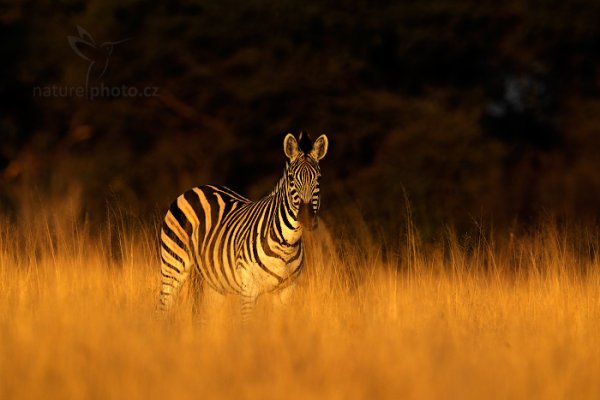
(473, 109)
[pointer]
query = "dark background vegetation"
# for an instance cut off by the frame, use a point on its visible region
(474, 111)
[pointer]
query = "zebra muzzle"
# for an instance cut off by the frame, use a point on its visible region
(307, 217)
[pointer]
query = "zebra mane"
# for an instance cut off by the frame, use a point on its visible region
(281, 182)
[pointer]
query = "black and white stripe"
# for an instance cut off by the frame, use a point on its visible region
(238, 246)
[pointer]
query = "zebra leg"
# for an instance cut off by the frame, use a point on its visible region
(196, 290)
(173, 274)
(171, 282)
(247, 307)
(283, 298)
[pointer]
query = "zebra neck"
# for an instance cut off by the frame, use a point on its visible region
(286, 223)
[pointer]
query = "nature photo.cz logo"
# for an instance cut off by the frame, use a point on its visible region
(98, 58)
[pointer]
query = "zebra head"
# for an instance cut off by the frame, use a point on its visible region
(303, 176)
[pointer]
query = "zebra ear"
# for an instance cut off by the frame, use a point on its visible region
(320, 147)
(290, 146)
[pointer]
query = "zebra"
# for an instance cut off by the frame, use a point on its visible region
(237, 246)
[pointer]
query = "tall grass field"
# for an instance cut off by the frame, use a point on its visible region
(513, 316)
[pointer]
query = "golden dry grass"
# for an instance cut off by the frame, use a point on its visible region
(514, 320)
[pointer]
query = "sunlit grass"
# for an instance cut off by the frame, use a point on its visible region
(512, 318)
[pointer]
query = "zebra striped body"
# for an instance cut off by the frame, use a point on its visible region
(237, 246)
